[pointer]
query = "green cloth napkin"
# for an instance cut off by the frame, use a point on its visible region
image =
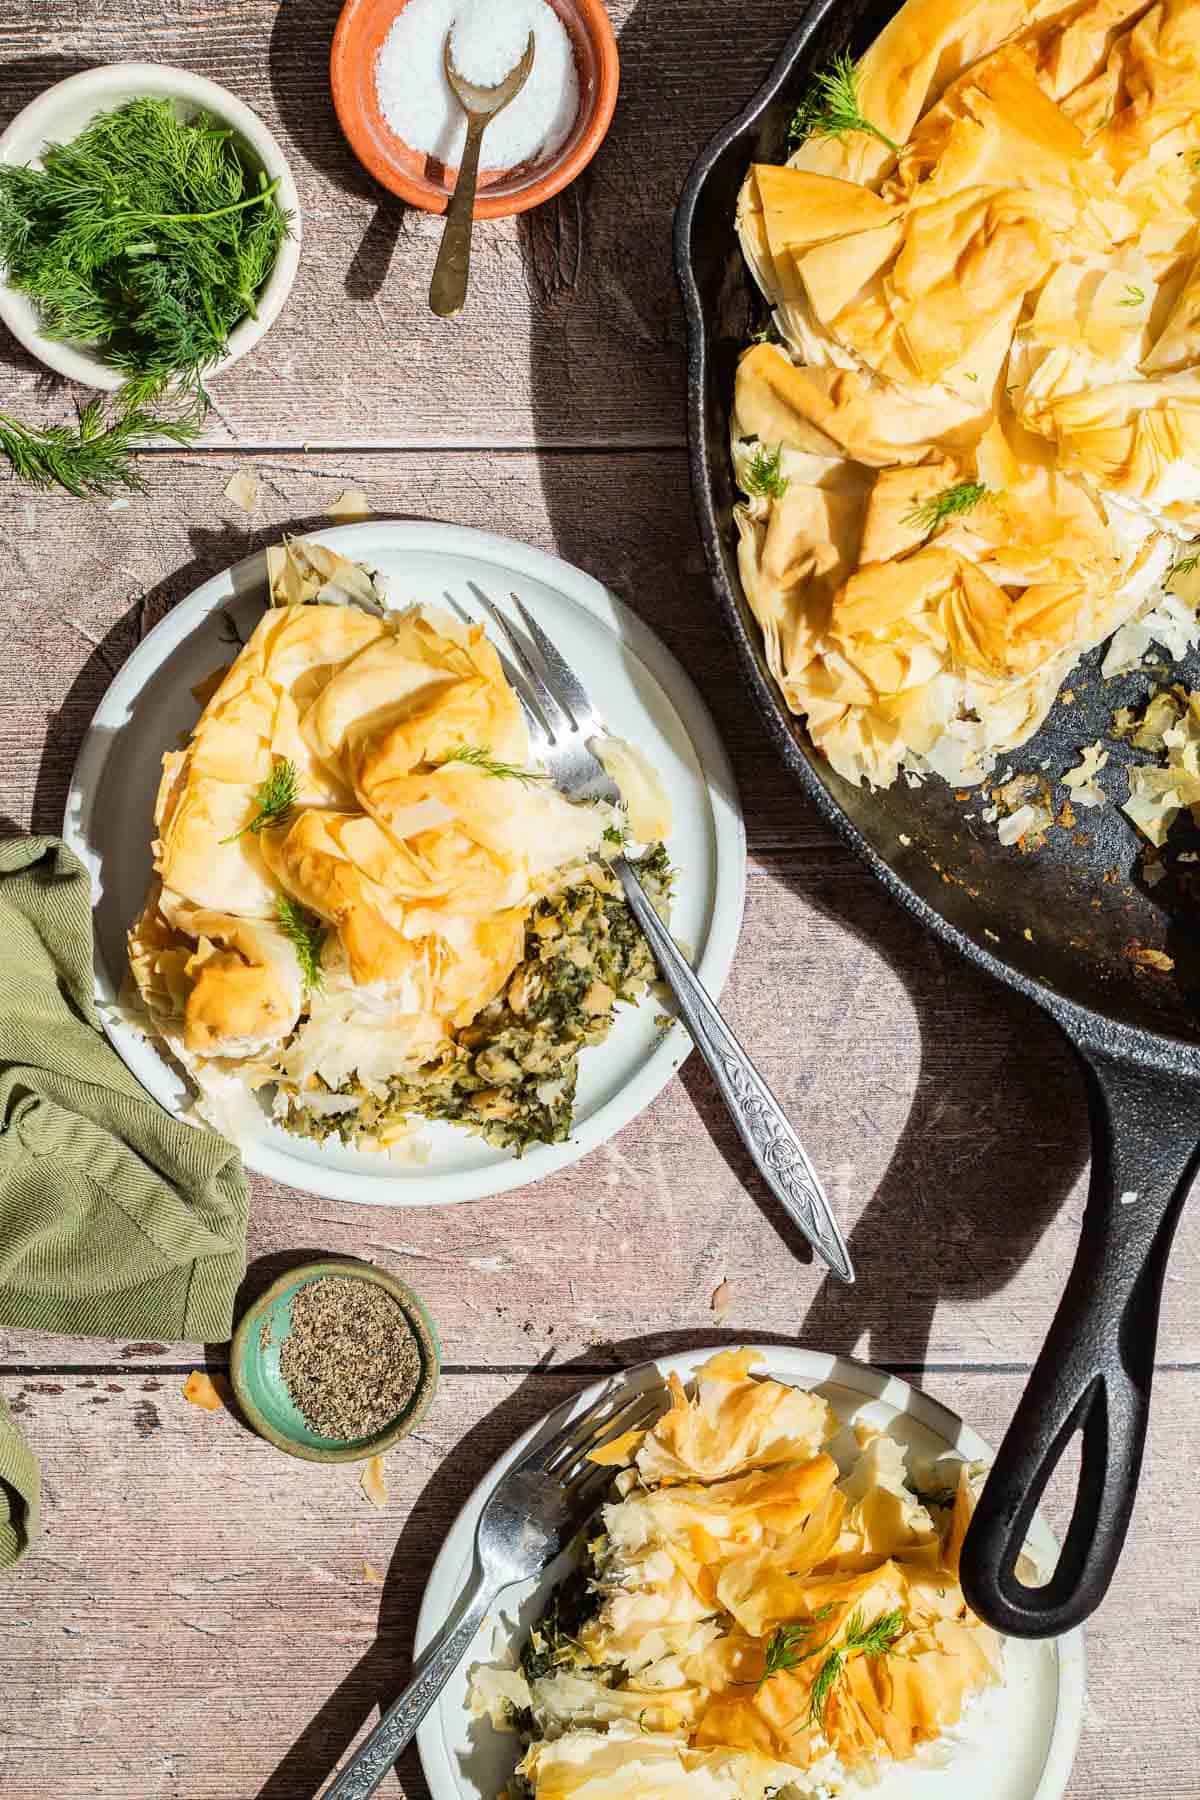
(116, 1220)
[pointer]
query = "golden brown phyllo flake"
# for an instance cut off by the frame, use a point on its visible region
(983, 418)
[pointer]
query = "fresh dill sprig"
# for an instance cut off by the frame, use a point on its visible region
(479, 756)
(273, 800)
(861, 1639)
(790, 1645)
(617, 835)
(307, 935)
(147, 238)
(1184, 565)
(1134, 295)
(950, 503)
(91, 456)
(763, 474)
(827, 1677)
(831, 109)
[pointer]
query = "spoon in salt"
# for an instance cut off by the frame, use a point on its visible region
(448, 289)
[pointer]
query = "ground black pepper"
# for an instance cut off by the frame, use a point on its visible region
(351, 1361)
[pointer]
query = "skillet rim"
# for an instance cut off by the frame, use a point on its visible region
(1088, 1028)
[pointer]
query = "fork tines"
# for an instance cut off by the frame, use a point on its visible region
(565, 1456)
(552, 690)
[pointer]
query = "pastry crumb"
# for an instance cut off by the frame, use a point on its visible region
(203, 1391)
(244, 490)
(372, 1482)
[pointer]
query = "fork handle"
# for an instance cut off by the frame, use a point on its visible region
(777, 1152)
(398, 1726)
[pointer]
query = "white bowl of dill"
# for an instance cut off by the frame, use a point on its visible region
(149, 237)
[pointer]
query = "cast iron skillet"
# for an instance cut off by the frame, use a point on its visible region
(1137, 1031)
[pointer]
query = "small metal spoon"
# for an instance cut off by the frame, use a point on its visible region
(448, 289)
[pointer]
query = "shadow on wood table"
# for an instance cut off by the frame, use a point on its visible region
(379, 1676)
(301, 34)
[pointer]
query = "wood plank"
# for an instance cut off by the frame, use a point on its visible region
(572, 332)
(944, 1112)
(196, 1621)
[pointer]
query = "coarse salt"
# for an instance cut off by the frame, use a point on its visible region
(489, 37)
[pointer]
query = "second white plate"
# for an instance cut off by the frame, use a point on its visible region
(1017, 1742)
(637, 685)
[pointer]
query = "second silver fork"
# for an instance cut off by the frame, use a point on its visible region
(565, 725)
(531, 1515)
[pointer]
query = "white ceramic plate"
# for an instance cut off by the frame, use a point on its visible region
(1017, 1742)
(644, 696)
(62, 112)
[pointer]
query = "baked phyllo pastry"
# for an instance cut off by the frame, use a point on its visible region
(969, 443)
(370, 904)
(752, 1616)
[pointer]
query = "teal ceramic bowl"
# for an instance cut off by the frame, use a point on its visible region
(262, 1391)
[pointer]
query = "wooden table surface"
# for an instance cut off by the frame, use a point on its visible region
(198, 1620)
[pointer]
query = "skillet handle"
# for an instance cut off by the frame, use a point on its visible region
(1095, 1370)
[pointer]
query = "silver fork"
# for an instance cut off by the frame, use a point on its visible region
(564, 724)
(533, 1513)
